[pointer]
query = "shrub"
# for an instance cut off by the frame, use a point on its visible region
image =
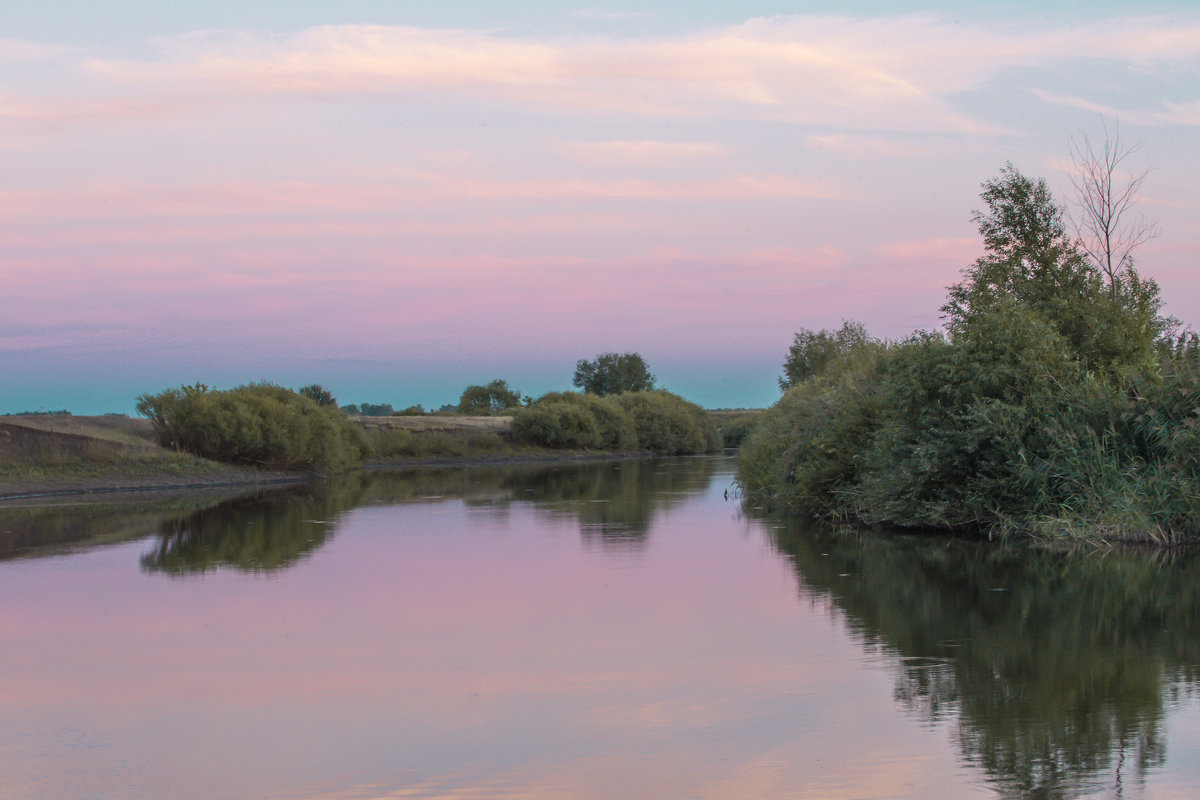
(807, 447)
(259, 424)
(735, 427)
(668, 424)
(571, 420)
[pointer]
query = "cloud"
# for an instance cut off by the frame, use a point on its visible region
(1174, 113)
(888, 74)
(642, 153)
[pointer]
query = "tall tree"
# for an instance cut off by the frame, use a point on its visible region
(1032, 261)
(1107, 228)
(612, 373)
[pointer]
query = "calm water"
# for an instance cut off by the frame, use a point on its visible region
(615, 630)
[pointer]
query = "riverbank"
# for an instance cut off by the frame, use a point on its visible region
(47, 455)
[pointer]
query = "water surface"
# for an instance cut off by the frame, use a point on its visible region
(609, 630)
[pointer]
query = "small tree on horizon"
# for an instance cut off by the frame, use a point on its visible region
(319, 395)
(490, 399)
(612, 373)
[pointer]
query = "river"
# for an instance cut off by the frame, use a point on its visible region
(619, 629)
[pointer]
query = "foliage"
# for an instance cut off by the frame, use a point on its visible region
(734, 426)
(825, 352)
(1033, 262)
(668, 424)
(369, 410)
(319, 395)
(490, 399)
(657, 421)
(1055, 406)
(807, 446)
(960, 418)
(259, 424)
(575, 421)
(610, 373)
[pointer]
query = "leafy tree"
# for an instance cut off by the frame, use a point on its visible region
(319, 395)
(1031, 260)
(816, 353)
(489, 399)
(610, 373)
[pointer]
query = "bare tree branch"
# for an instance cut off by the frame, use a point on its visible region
(1105, 226)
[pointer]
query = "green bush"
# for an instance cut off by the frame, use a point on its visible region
(259, 424)
(575, 421)
(668, 424)
(735, 426)
(807, 447)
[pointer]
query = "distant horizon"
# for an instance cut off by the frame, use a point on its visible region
(397, 202)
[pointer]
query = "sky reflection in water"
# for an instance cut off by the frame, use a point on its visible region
(610, 630)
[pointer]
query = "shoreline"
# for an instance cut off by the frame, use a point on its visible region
(18, 489)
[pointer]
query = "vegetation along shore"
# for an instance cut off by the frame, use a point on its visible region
(197, 436)
(1060, 402)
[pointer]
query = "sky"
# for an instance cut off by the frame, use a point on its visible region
(399, 199)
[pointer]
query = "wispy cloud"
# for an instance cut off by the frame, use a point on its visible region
(1171, 113)
(879, 74)
(642, 153)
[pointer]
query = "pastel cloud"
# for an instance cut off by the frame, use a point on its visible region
(888, 73)
(1170, 114)
(642, 153)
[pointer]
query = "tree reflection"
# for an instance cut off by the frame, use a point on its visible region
(613, 502)
(260, 533)
(1053, 666)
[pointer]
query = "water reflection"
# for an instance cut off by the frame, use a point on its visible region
(261, 533)
(1052, 667)
(614, 504)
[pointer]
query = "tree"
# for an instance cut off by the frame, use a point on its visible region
(1033, 262)
(814, 353)
(319, 395)
(611, 373)
(489, 399)
(1103, 219)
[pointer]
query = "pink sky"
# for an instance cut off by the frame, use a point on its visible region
(397, 210)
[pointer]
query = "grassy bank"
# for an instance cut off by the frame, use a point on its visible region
(48, 453)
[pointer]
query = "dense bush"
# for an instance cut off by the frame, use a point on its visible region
(259, 424)
(733, 427)
(666, 423)
(576, 421)
(657, 421)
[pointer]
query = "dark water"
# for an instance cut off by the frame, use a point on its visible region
(613, 630)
